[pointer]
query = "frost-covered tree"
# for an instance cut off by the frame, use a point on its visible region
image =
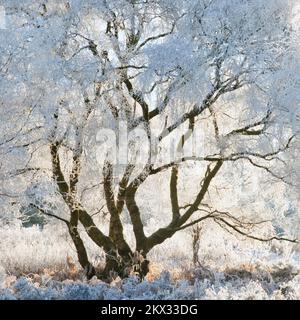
(195, 87)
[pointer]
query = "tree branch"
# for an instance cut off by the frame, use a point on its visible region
(49, 214)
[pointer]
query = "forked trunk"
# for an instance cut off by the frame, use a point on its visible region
(116, 265)
(124, 266)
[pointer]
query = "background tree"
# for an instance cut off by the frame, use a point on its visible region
(209, 83)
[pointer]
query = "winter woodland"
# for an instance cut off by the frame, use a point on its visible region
(149, 149)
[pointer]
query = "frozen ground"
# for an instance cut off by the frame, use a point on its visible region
(283, 284)
(33, 266)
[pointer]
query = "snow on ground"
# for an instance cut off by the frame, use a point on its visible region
(33, 265)
(218, 286)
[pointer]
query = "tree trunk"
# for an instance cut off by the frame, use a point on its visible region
(81, 252)
(123, 266)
